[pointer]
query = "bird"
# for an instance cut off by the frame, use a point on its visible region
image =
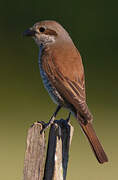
(62, 72)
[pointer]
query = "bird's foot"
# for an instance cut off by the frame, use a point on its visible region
(52, 120)
(45, 126)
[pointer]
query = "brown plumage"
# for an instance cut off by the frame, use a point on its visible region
(62, 64)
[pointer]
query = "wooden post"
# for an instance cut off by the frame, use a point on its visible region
(55, 166)
(35, 153)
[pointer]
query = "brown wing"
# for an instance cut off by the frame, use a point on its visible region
(67, 76)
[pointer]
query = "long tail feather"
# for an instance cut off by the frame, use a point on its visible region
(94, 142)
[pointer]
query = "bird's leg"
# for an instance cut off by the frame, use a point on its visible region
(54, 115)
(68, 118)
(52, 118)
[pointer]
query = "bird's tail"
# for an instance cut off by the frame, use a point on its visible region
(94, 142)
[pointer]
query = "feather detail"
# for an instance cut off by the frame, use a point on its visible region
(94, 142)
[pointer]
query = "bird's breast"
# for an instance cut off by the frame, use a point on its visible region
(54, 94)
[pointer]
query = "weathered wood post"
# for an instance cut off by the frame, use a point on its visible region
(53, 166)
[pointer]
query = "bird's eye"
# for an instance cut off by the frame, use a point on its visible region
(41, 29)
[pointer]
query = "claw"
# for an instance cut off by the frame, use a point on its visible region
(46, 125)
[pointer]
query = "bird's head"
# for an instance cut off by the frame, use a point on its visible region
(47, 32)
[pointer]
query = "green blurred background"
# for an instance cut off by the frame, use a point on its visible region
(94, 29)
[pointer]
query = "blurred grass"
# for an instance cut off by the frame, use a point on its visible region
(23, 100)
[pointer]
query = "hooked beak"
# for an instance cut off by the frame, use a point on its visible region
(29, 32)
